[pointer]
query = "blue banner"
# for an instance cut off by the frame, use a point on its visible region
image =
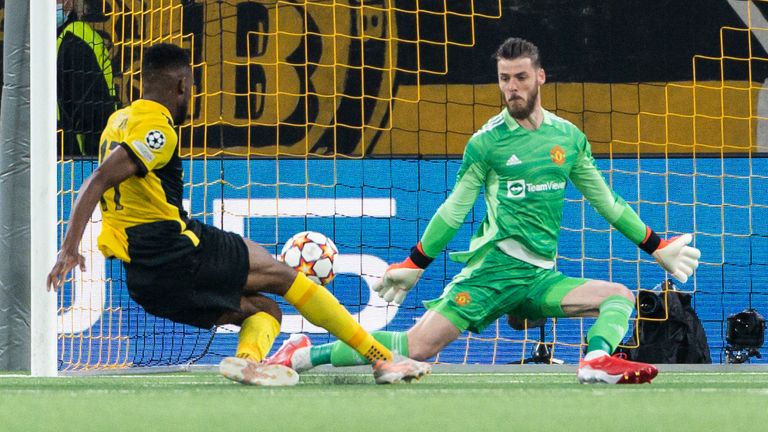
(375, 210)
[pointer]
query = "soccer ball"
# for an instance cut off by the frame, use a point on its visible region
(313, 254)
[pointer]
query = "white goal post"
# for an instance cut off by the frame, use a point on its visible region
(43, 216)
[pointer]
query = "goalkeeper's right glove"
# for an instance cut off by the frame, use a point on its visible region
(401, 277)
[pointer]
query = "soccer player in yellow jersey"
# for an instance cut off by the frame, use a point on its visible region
(186, 271)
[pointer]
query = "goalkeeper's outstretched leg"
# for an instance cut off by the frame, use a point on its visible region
(613, 304)
(561, 296)
(422, 342)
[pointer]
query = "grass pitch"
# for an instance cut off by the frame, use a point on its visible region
(445, 401)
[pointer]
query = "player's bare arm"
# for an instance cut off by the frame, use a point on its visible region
(117, 167)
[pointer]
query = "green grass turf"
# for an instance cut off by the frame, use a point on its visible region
(441, 402)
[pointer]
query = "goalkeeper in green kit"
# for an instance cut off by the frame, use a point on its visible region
(522, 157)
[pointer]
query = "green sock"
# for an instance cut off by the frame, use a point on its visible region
(611, 325)
(320, 354)
(340, 354)
(598, 343)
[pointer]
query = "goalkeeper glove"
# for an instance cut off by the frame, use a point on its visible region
(401, 277)
(673, 255)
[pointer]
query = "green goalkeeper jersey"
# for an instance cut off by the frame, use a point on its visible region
(524, 174)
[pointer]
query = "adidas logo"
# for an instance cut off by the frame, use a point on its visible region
(514, 160)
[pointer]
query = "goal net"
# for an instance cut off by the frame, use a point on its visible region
(350, 118)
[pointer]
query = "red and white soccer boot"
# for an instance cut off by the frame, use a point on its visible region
(257, 373)
(599, 367)
(293, 353)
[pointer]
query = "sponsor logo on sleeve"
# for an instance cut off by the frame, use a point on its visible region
(120, 121)
(143, 150)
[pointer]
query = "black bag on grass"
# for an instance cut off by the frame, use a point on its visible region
(678, 339)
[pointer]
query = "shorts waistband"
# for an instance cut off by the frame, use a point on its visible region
(515, 249)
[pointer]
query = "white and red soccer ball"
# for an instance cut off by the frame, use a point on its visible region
(313, 254)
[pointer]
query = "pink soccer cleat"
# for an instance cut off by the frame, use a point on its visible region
(293, 353)
(615, 370)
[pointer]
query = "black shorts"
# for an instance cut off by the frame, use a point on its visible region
(198, 287)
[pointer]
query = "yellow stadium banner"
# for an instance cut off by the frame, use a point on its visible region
(355, 78)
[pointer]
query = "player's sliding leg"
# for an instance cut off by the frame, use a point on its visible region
(430, 335)
(298, 353)
(312, 301)
(321, 308)
(318, 306)
(614, 304)
(257, 334)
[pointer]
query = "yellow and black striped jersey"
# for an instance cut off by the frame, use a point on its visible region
(144, 221)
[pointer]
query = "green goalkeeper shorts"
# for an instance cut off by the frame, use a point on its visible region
(493, 284)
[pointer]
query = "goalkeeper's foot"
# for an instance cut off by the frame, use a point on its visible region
(250, 372)
(399, 369)
(293, 353)
(615, 370)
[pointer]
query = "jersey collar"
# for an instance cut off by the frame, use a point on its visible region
(147, 104)
(512, 123)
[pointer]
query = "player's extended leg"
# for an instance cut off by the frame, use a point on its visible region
(612, 303)
(470, 302)
(298, 353)
(430, 335)
(259, 320)
(320, 307)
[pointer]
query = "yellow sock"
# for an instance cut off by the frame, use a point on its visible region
(321, 308)
(257, 333)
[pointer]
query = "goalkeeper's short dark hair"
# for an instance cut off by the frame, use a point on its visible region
(515, 47)
(162, 57)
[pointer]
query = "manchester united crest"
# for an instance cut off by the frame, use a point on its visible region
(462, 298)
(557, 154)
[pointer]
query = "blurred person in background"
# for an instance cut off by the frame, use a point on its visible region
(85, 87)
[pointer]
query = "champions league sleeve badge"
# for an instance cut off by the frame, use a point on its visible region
(155, 139)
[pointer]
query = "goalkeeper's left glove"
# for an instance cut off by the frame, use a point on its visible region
(673, 255)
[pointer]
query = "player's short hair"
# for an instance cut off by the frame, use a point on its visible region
(515, 47)
(163, 57)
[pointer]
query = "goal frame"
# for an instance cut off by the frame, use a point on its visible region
(43, 217)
